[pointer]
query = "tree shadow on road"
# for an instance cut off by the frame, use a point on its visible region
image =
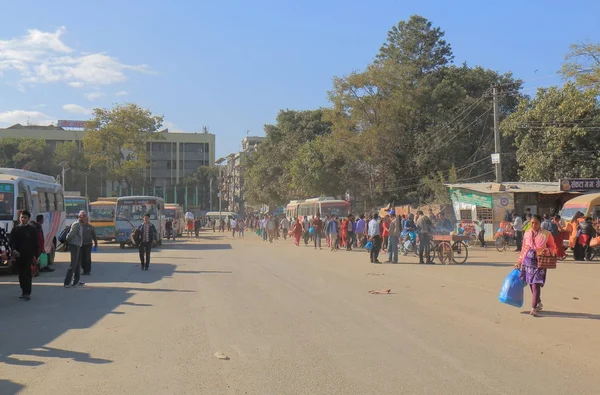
(8, 387)
(564, 314)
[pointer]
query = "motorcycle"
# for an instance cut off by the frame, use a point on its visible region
(409, 241)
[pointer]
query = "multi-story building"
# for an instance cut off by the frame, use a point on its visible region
(233, 178)
(173, 158)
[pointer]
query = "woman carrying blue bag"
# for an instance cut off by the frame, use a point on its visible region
(538, 254)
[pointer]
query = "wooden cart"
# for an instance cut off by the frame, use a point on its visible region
(451, 248)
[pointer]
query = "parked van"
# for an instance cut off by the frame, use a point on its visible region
(588, 204)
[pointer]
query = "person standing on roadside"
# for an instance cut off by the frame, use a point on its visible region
(233, 226)
(75, 241)
(332, 230)
(241, 226)
(350, 233)
(25, 250)
(89, 240)
(518, 227)
(317, 224)
(361, 228)
(425, 227)
(147, 235)
(37, 225)
(285, 225)
(169, 229)
(394, 233)
(375, 238)
(271, 228)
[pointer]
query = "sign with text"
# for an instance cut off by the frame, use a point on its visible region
(473, 198)
(575, 184)
(64, 123)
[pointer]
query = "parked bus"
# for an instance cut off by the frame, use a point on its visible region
(38, 193)
(291, 210)
(130, 213)
(74, 204)
(323, 205)
(225, 215)
(102, 217)
(175, 212)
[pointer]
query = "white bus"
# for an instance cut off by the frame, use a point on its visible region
(37, 193)
(224, 215)
(324, 206)
(130, 213)
(74, 203)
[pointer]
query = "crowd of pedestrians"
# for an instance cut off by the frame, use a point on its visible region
(387, 234)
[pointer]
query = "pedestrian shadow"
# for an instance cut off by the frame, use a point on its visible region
(564, 314)
(200, 272)
(8, 387)
(53, 311)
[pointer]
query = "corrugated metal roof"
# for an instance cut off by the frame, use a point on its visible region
(511, 187)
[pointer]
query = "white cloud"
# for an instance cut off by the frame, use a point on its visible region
(94, 96)
(8, 118)
(76, 109)
(122, 93)
(172, 127)
(42, 57)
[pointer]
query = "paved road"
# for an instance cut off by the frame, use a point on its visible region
(296, 321)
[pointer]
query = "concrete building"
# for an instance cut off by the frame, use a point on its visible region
(233, 174)
(173, 158)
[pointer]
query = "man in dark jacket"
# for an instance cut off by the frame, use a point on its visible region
(146, 236)
(582, 248)
(25, 249)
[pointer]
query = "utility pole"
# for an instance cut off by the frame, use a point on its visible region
(211, 193)
(497, 136)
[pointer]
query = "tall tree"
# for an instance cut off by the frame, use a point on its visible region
(583, 65)
(417, 43)
(34, 155)
(116, 142)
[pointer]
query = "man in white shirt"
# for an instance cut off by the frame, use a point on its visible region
(285, 225)
(518, 226)
(233, 223)
(375, 237)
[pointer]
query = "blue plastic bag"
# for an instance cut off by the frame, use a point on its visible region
(369, 245)
(94, 249)
(311, 230)
(512, 290)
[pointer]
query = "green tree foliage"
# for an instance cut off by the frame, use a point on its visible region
(34, 155)
(201, 178)
(583, 65)
(116, 141)
(557, 134)
(9, 147)
(267, 174)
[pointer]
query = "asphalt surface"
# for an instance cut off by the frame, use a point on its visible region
(296, 321)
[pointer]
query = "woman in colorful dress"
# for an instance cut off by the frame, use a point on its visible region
(535, 240)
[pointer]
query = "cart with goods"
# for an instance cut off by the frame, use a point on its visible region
(451, 248)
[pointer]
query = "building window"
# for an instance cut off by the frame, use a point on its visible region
(485, 214)
(466, 215)
(168, 165)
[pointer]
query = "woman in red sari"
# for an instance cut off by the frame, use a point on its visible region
(297, 232)
(344, 232)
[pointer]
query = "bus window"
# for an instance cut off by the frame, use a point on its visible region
(51, 202)
(60, 202)
(7, 201)
(42, 201)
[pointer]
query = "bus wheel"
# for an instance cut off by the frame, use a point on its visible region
(122, 245)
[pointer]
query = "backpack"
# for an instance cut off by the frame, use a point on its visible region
(62, 237)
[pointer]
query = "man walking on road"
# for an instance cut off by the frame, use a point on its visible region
(425, 227)
(75, 241)
(89, 240)
(285, 225)
(375, 238)
(317, 224)
(394, 233)
(147, 235)
(25, 249)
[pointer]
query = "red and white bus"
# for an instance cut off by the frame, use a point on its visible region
(310, 207)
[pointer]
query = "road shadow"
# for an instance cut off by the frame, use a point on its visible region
(200, 272)
(489, 264)
(8, 387)
(203, 247)
(54, 310)
(564, 314)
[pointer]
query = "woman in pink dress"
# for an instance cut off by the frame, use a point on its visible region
(535, 240)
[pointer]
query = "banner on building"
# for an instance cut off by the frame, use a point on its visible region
(579, 184)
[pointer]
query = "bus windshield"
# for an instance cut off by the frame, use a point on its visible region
(170, 213)
(135, 209)
(74, 205)
(7, 202)
(340, 210)
(102, 213)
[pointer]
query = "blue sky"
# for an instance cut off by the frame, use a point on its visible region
(233, 65)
